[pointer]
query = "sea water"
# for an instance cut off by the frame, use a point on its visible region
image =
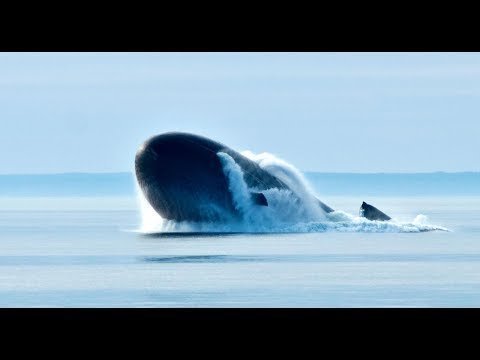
(59, 251)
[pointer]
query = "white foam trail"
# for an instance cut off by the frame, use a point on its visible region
(345, 222)
(287, 211)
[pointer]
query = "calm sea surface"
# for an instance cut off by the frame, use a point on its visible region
(84, 252)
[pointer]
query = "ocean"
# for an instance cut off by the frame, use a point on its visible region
(73, 240)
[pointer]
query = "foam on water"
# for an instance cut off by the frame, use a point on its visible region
(287, 211)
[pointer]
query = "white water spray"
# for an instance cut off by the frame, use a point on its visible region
(287, 211)
(294, 179)
(150, 220)
(236, 184)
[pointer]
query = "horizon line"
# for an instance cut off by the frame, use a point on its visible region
(305, 172)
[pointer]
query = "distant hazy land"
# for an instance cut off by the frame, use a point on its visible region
(378, 184)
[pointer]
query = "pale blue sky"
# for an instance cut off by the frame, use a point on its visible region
(334, 112)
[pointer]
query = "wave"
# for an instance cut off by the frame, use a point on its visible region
(295, 211)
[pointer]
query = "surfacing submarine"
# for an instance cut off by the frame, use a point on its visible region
(183, 179)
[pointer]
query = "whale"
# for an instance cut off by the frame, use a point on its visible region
(182, 177)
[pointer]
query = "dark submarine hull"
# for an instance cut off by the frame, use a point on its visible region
(182, 177)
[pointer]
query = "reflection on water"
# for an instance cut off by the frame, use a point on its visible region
(195, 234)
(187, 234)
(331, 258)
(99, 260)
(199, 259)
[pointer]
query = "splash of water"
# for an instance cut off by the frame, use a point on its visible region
(295, 180)
(150, 220)
(288, 211)
(236, 185)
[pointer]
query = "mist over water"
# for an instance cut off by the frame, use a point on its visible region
(295, 211)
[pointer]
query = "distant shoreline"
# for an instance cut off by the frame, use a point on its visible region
(68, 173)
(325, 183)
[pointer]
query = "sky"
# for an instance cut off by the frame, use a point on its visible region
(326, 112)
